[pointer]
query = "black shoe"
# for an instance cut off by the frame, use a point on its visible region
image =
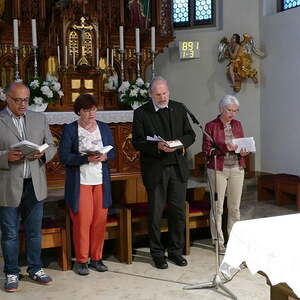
(98, 265)
(81, 268)
(178, 260)
(160, 262)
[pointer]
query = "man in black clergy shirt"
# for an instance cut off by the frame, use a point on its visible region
(164, 169)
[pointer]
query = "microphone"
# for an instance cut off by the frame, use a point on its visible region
(194, 119)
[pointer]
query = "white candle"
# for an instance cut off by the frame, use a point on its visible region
(34, 37)
(121, 38)
(16, 33)
(74, 57)
(153, 39)
(66, 56)
(58, 55)
(112, 58)
(97, 57)
(137, 40)
(107, 56)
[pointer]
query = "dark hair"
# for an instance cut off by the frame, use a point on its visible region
(237, 38)
(85, 101)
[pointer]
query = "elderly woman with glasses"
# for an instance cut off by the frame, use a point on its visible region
(87, 185)
(228, 171)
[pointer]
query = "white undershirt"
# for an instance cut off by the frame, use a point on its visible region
(90, 173)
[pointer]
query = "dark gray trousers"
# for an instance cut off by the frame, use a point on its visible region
(169, 194)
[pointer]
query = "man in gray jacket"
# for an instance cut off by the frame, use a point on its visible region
(23, 184)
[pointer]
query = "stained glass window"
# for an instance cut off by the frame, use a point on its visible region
(287, 4)
(181, 11)
(203, 10)
(193, 12)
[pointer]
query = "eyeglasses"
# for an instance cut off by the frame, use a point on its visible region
(234, 111)
(94, 109)
(19, 100)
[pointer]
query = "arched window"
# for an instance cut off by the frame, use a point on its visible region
(288, 4)
(190, 13)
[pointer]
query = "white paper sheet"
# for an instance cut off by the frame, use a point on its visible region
(247, 143)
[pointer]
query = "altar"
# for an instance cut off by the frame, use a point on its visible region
(271, 246)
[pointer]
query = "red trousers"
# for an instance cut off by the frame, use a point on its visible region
(89, 224)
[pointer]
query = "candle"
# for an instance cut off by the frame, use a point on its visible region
(66, 56)
(121, 38)
(153, 39)
(34, 37)
(107, 56)
(137, 40)
(58, 55)
(16, 33)
(74, 57)
(112, 58)
(97, 57)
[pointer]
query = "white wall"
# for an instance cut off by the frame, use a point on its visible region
(200, 83)
(280, 103)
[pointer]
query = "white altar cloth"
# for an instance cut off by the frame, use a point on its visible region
(270, 245)
(106, 116)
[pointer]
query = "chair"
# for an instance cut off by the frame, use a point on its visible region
(136, 223)
(197, 216)
(53, 236)
(114, 231)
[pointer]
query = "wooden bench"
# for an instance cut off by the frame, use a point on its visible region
(279, 187)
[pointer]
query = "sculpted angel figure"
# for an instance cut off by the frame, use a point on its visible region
(240, 61)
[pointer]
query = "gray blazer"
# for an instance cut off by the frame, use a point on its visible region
(11, 174)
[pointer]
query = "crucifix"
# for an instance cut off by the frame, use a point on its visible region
(83, 29)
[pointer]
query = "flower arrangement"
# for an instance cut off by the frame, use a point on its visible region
(45, 91)
(2, 94)
(133, 93)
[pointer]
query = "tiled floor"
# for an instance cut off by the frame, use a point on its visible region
(142, 281)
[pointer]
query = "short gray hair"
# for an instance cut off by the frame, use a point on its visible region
(155, 80)
(228, 100)
(11, 86)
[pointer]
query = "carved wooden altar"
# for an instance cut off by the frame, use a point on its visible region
(80, 32)
(73, 37)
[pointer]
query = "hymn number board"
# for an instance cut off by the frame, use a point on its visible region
(189, 49)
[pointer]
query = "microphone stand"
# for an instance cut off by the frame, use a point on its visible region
(216, 281)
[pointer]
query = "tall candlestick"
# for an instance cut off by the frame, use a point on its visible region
(97, 57)
(121, 38)
(137, 40)
(16, 33)
(112, 58)
(58, 55)
(74, 57)
(153, 39)
(107, 57)
(34, 37)
(66, 56)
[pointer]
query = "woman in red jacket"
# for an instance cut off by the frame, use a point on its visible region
(229, 165)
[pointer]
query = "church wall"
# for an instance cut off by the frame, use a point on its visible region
(280, 90)
(200, 83)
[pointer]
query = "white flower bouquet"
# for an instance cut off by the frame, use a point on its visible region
(45, 91)
(2, 94)
(134, 92)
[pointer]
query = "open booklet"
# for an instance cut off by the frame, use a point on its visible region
(103, 150)
(246, 143)
(28, 148)
(171, 144)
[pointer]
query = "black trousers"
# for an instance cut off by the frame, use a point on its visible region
(170, 193)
